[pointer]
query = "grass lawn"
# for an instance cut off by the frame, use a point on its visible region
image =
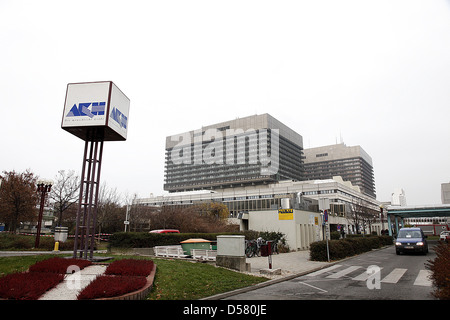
(181, 280)
(20, 264)
(174, 280)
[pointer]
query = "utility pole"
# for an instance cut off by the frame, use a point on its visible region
(43, 186)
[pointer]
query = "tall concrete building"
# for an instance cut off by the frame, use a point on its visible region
(445, 193)
(253, 150)
(351, 163)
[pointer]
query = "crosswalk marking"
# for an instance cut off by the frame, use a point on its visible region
(324, 270)
(423, 278)
(394, 276)
(344, 272)
(364, 276)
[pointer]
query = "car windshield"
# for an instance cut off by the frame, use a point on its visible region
(409, 234)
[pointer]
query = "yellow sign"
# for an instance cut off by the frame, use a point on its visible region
(316, 221)
(285, 214)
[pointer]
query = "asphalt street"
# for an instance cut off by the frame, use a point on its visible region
(375, 275)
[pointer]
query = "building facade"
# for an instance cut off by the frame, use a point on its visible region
(253, 150)
(257, 207)
(445, 193)
(334, 194)
(351, 163)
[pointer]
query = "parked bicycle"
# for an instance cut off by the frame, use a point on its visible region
(253, 247)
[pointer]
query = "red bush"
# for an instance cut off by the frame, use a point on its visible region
(130, 267)
(440, 268)
(27, 285)
(111, 286)
(58, 265)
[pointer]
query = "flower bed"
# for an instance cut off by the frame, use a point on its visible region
(106, 286)
(122, 277)
(28, 285)
(130, 267)
(41, 276)
(58, 265)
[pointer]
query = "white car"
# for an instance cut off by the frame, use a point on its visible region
(445, 236)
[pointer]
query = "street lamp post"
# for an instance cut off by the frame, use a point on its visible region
(43, 186)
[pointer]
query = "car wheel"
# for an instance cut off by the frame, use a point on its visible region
(397, 252)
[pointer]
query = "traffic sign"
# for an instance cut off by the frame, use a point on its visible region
(325, 215)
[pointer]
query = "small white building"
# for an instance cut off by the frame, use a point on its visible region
(398, 197)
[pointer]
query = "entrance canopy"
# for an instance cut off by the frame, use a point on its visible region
(420, 211)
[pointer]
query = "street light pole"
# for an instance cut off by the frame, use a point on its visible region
(43, 186)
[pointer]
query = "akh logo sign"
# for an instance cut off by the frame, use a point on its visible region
(119, 117)
(89, 109)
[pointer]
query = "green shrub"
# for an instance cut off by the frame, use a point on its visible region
(335, 235)
(347, 247)
(10, 241)
(22, 243)
(318, 251)
(149, 240)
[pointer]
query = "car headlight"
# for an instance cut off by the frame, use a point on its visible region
(419, 243)
(398, 243)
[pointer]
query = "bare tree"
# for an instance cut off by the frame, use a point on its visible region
(110, 212)
(356, 213)
(65, 192)
(140, 217)
(18, 198)
(361, 215)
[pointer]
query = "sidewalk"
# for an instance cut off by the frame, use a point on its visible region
(72, 284)
(290, 263)
(29, 253)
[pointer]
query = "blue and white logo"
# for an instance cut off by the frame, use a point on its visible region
(119, 117)
(89, 109)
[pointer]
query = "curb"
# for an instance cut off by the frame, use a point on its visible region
(264, 284)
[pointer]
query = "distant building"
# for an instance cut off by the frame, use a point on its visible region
(351, 163)
(398, 197)
(445, 193)
(254, 150)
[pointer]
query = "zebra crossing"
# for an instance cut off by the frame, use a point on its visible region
(360, 273)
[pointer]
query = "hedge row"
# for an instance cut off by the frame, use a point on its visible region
(9, 241)
(343, 248)
(149, 240)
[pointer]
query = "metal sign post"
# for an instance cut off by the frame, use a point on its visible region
(87, 205)
(94, 112)
(327, 231)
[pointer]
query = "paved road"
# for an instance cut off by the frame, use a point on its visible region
(29, 253)
(399, 277)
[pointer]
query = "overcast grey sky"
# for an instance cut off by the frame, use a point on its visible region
(376, 73)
